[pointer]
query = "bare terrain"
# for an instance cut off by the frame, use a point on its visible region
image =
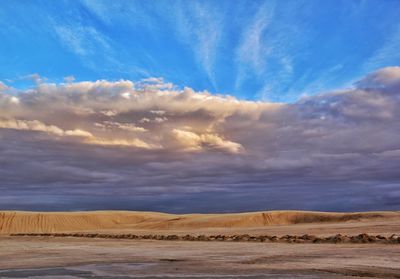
(65, 256)
(268, 222)
(110, 258)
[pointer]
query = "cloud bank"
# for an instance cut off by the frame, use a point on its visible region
(151, 146)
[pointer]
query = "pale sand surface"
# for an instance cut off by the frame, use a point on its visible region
(41, 257)
(268, 222)
(70, 257)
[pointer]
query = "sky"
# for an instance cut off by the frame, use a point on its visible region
(256, 50)
(200, 106)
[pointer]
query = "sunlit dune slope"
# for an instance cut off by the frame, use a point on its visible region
(42, 222)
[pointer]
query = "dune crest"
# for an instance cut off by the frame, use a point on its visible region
(53, 222)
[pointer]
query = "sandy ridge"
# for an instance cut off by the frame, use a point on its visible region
(58, 222)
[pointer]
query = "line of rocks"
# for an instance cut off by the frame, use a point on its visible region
(361, 238)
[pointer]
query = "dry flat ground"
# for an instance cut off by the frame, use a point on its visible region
(70, 257)
(104, 258)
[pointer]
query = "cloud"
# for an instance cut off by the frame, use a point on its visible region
(120, 142)
(122, 126)
(266, 56)
(386, 53)
(384, 79)
(252, 49)
(201, 25)
(37, 126)
(31, 125)
(81, 40)
(69, 79)
(3, 87)
(194, 142)
(125, 113)
(87, 137)
(318, 153)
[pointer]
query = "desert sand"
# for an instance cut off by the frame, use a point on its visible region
(45, 257)
(273, 222)
(66, 256)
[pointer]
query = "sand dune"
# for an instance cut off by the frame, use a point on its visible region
(55, 222)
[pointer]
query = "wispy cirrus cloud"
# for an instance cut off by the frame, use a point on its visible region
(387, 53)
(252, 49)
(198, 26)
(201, 26)
(266, 53)
(82, 40)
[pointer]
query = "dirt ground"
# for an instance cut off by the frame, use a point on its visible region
(375, 227)
(46, 257)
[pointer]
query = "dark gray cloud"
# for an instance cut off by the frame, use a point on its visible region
(118, 145)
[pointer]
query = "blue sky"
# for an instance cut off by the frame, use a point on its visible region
(113, 105)
(257, 50)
